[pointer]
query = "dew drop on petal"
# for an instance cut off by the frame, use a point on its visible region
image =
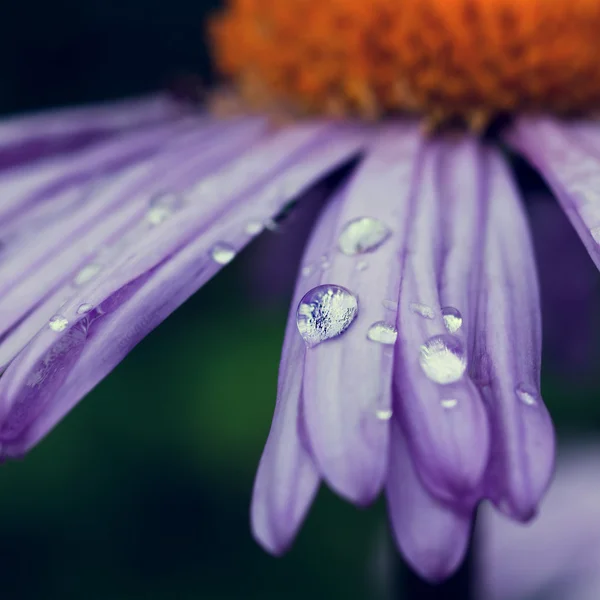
(383, 333)
(442, 358)
(325, 312)
(595, 232)
(363, 235)
(362, 265)
(58, 323)
(86, 274)
(254, 227)
(422, 309)
(452, 319)
(307, 270)
(384, 414)
(222, 253)
(84, 308)
(390, 305)
(162, 207)
(526, 394)
(449, 403)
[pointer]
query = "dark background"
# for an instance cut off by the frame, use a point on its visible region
(143, 491)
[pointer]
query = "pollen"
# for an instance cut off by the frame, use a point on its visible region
(470, 60)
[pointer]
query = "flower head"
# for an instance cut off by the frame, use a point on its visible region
(411, 359)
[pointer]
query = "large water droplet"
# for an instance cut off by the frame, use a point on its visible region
(526, 394)
(58, 323)
(452, 319)
(422, 309)
(222, 253)
(442, 359)
(325, 312)
(383, 333)
(86, 274)
(84, 308)
(363, 235)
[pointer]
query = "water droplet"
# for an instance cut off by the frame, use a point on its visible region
(363, 235)
(449, 403)
(452, 319)
(325, 312)
(422, 309)
(86, 274)
(307, 270)
(526, 394)
(222, 253)
(254, 227)
(384, 414)
(271, 225)
(58, 323)
(84, 308)
(442, 359)
(390, 305)
(162, 207)
(362, 265)
(595, 231)
(383, 333)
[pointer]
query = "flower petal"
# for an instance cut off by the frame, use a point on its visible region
(433, 538)
(440, 408)
(24, 139)
(149, 277)
(508, 350)
(348, 380)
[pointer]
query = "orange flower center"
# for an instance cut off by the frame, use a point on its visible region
(445, 59)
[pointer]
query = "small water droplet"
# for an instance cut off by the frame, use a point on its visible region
(383, 333)
(271, 225)
(452, 319)
(422, 310)
(362, 265)
(58, 323)
(363, 235)
(384, 414)
(449, 403)
(86, 274)
(307, 270)
(442, 359)
(325, 263)
(254, 227)
(325, 312)
(84, 308)
(162, 208)
(222, 253)
(390, 305)
(595, 231)
(526, 394)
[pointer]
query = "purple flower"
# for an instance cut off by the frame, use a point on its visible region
(411, 360)
(557, 555)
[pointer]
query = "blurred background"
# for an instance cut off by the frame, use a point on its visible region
(143, 491)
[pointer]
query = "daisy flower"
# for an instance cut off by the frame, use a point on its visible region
(411, 360)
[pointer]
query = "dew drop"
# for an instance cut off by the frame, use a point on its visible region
(384, 414)
(383, 333)
(442, 359)
(390, 305)
(526, 394)
(84, 308)
(162, 208)
(452, 319)
(363, 235)
(595, 231)
(254, 227)
(362, 265)
(222, 253)
(58, 323)
(422, 310)
(449, 403)
(325, 312)
(325, 263)
(307, 271)
(86, 274)
(271, 225)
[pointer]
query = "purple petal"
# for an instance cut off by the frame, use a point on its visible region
(348, 381)
(441, 410)
(28, 138)
(433, 538)
(150, 276)
(558, 551)
(568, 158)
(509, 354)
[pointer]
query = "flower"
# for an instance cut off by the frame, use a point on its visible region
(557, 555)
(411, 360)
